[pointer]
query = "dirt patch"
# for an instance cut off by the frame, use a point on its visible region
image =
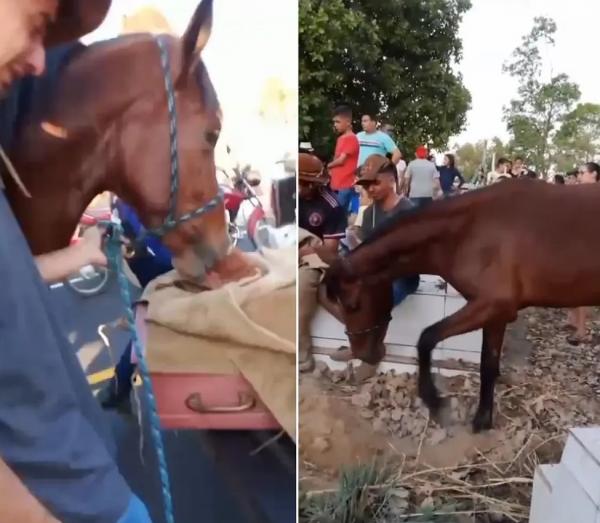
(549, 387)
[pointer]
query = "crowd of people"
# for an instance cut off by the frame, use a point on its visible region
(343, 202)
(368, 180)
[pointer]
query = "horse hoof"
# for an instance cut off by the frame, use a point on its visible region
(443, 415)
(430, 397)
(481, 422)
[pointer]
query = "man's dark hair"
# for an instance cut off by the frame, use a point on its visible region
(451, 159)
(344, 111)
(372, 116)
(559, 179)
(389, 170)
(593, 167)
(502, 161)
(571, 173)
(520, 158)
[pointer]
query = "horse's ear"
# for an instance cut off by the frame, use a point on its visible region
(198, 31)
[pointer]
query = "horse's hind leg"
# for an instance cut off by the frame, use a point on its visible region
(471, 317)
(491, 349)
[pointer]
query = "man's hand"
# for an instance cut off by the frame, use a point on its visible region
(92, 247)
(305, 250)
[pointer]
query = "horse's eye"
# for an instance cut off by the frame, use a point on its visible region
(212, 137)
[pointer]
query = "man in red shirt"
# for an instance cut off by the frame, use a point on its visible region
(343, 167)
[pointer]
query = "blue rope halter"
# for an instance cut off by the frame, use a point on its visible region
(171, 221)
(115, 232)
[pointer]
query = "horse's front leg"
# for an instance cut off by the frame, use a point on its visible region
(491, 349)
(471, 317)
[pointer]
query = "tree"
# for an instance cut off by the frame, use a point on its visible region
(470, 156)
(578, 139)
(532, 117)
(393, 58)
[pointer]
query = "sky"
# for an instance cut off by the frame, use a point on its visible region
(245, 49)
(493, 28)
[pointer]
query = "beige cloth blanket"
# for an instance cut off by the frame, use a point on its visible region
(247, 326)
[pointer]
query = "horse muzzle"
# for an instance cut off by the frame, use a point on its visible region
(196, 261)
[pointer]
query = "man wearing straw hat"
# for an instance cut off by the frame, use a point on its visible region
(56, 451)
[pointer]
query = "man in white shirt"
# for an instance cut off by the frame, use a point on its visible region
(422, 179)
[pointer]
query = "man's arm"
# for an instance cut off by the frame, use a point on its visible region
(57, 265)
(392, 148)
(18, 504)
(338, 161)
(461, 180)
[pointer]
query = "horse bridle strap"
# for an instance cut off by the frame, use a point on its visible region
(171, 221)
(369, 329)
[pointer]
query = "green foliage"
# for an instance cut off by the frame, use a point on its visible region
(393, 58)
(354, 501)
(533, 117)
(470, 156)
(578, 139)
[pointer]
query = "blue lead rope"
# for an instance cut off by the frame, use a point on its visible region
(115, 258)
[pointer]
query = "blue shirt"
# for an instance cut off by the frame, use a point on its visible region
(53, 434)
(133, 229)
(374, 143)
(447, 177)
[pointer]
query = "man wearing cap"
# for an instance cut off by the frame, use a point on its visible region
(422, 179)
(320, 215)
(378, 177)
(56, 450)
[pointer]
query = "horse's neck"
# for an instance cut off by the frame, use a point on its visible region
(403, 250)
(64, 174)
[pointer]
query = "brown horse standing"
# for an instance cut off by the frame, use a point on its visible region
(505, 247)
(110, 106)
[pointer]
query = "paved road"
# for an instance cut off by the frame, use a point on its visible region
(214, 478)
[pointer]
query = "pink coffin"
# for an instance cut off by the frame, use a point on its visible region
(206, 401)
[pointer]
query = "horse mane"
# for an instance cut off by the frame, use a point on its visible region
(438, 208)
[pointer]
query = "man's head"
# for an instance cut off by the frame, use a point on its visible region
(311, 175)
(342, 119)
(502, 165)
(518, 164)
(422, 153)
(559, 179)
(589, 173)
(30, 25)
(378, 177)
(369, 123)
(571, 178)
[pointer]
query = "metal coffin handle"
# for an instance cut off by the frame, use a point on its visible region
(194, 402)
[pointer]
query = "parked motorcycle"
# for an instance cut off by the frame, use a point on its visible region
(239, 186)
(91, 279)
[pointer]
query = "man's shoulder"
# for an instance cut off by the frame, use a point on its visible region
(350, 137)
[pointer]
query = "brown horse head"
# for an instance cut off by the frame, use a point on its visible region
(111, 104)
(366, 304)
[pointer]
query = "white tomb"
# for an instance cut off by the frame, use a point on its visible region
(570, 490)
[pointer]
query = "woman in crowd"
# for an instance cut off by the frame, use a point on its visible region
(588, 173)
